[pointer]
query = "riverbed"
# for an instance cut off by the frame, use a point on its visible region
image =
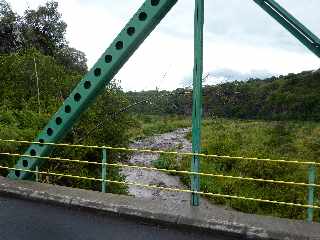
(167, 141)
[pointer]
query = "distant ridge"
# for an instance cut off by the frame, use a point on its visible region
(316, 71)
(291, 97)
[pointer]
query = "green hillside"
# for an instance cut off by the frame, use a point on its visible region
(291, 97)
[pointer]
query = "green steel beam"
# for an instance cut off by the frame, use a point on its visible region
(197, 97)
(296, 28)
(93, 83)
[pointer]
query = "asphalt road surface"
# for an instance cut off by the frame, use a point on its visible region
(24, 220)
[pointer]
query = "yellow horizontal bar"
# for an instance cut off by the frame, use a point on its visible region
(165, 188)
(167, 152)
(164, 170)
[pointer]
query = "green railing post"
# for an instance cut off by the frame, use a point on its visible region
(37, 173)
(312, 180)
(197, 97)
(104, 170)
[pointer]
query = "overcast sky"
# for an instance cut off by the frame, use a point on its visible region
(241, 41)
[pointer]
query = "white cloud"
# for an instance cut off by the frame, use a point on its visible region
(239, 36)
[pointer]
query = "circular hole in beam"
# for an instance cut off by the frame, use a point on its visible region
(119, 45)
(108, 58)
(25, 163)
(67, 109)
(33, 152)
(17, 173)
(155, 2)
(58, 120)
(50, 131)
(87, 84)
(131, 31)
(77, 97)
(41, 141)
(143, 16)
(97, 72)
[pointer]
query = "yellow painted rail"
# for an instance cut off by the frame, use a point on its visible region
(166, 188)
(309, 164)
(119, 165)
(167, 152)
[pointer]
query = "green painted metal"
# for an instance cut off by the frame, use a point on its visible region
(104, 170)
(296, 28)
(312, 42)
(93, 83)
(197, 98)
(311, 192)
(37, 174)
(122, 48)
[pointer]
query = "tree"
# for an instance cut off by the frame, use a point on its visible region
(44, 29)
(72, 59)
(18, 88)
(9, 28)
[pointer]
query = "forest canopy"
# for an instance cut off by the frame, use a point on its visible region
(291, 97)
(42, 29)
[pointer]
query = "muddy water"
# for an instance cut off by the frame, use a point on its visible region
(168, 141)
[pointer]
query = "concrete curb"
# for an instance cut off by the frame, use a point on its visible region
(215, 219)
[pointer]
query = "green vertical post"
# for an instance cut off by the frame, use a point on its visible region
(312, 180)
(197, 97)
(104, 170)
(37, 173)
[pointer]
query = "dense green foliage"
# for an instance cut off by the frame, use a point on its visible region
(292, 97)
(42, 29)
(19, 117)
(18, 86)
(263, 139)
(148, 125)
(37, 62)
(40, 54)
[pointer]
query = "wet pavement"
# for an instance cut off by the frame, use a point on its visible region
(22, 219)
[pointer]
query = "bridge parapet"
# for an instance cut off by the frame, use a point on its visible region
(209, 218)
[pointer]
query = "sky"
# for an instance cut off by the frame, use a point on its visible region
(241, 40)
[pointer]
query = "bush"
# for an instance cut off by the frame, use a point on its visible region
(101, 125)
(275, 140)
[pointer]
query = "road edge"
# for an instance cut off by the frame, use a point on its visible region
(219, 220)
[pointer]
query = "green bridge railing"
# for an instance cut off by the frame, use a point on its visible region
(311, 185)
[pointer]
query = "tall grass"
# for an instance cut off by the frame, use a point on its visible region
(148, 125)
(276, 140)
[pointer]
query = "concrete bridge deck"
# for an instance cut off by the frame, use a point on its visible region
(30, 210)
